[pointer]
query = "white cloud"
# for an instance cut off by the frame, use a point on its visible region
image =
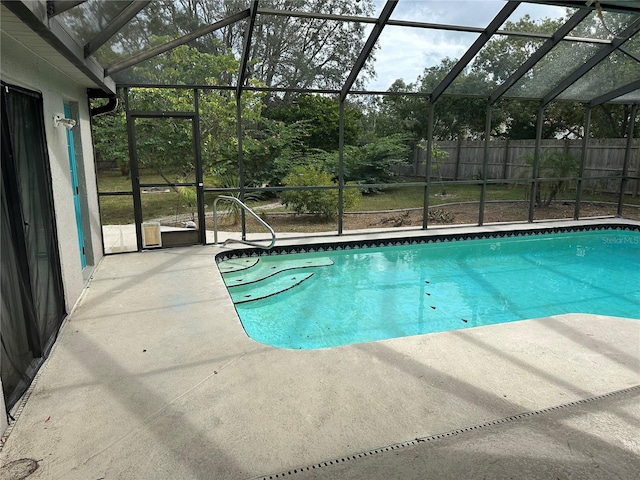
(404, 52)
(469, 13)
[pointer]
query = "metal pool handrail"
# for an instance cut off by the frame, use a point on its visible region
(250, 212)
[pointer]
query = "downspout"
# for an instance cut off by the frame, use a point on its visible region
(109, 107)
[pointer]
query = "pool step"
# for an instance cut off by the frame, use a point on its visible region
(237, 264)
(261, 270)
(276, 283)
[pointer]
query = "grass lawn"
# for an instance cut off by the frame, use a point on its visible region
(399, 197)
(156, 202)
(166, 203)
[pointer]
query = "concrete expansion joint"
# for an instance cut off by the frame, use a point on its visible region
(440, 436)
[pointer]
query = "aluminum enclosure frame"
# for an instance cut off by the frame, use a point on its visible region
(51, 31)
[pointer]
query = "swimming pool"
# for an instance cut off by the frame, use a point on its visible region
(340, 294)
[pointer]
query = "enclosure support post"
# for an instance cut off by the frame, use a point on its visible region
(505, 162)
(627, 158)
(458, 148)
(134, 171)
(583, 161)
(240, 164)
(485, 164)
(202, 221)
(427, 170)
(536, 164)
(341, 167)
(246, 47)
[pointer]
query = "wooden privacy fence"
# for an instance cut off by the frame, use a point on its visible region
(507, 161)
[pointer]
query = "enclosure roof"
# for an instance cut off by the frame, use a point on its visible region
(586, 51)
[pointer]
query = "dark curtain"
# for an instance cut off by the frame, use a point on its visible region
(32, 294)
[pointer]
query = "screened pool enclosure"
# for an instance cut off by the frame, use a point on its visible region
(336, 116)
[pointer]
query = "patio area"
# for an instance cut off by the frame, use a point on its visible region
(153, 377)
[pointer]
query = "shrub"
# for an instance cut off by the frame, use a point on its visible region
(189, 198)
(554, 165)
(323, 203)
(226, 180)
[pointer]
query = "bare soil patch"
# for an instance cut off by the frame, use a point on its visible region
(452, 214)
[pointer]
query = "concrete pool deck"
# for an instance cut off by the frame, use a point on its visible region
(153, 377)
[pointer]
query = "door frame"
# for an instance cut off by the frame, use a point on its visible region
(136, 186)
(75, 184)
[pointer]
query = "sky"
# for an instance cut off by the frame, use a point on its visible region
(405, 52)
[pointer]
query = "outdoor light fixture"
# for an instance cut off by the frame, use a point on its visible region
(67, 123)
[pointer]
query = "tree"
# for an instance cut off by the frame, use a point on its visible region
(306, 52)
(183, 65)
(612, 121)
(322, 118)
(502, 55)
(286, 51)
(401, 114)
(165, 145)
(110, 139)
(270, 149)
(454, 117)
(459, 117)
(372, 162)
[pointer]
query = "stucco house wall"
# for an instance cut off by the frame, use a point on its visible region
(20, 66)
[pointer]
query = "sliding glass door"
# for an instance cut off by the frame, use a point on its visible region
(32, 298)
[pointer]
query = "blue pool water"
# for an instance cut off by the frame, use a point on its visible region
(339, 297)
